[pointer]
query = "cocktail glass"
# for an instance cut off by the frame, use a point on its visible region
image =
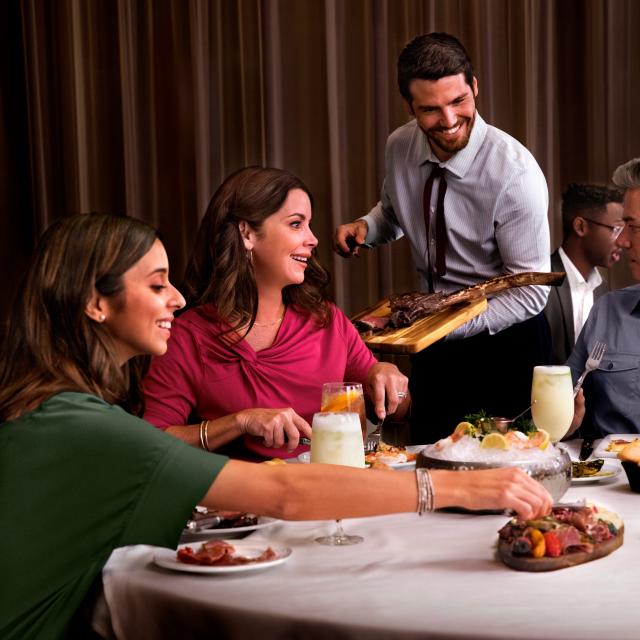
(552, 400)
(337, 439)
(345, 396)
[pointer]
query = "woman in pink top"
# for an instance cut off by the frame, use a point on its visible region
(260, 338)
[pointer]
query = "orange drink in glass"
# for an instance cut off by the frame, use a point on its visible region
(344, 397)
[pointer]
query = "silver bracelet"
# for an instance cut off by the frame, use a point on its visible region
(426, 502)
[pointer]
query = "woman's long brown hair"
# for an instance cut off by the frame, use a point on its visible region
(51, 344)
(219, 270)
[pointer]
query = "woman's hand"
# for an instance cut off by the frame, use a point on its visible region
(578, 414)
(274, 426)
(388, 390)
(506, 488)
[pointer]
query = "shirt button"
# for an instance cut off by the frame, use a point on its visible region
(433, 241)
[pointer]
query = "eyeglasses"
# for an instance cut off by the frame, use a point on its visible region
(616, 229)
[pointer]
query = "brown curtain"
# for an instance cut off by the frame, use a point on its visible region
(144, 107)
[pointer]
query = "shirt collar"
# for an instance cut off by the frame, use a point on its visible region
(575, 277)
(461, 161)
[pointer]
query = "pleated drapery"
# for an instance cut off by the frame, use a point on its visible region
(144, 107)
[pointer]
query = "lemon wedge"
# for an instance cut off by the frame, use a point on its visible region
(540, 439)
(495, 441)
(464, 428)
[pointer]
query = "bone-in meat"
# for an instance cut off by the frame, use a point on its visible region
(406, 308)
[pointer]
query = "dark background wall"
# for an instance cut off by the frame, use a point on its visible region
(144, 107)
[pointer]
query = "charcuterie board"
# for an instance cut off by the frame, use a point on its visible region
(421, 333)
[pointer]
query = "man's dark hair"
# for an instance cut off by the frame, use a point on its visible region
(431, 57)
(588, 200)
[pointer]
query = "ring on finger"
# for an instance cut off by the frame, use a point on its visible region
(401, 394)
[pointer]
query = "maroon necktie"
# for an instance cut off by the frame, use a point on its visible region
(441, 229)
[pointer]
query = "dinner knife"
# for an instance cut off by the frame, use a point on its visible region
(204, 523)
(586, 449)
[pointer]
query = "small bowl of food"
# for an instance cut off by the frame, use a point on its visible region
(630, 458)
(502, 424)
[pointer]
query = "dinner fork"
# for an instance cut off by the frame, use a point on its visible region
(373, 439)
(593, 362)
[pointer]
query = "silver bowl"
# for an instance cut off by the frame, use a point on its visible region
(553, 473)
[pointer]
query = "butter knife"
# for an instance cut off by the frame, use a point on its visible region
(586, 449)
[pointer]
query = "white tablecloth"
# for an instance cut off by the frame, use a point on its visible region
(429, 577)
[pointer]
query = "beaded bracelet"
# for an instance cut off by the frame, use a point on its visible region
(426, 502)
(204, 439)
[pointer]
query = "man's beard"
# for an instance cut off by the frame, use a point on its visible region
(452, 146)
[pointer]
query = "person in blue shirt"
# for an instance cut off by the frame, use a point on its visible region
(612, 392)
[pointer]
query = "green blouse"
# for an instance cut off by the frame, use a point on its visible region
(78, 478)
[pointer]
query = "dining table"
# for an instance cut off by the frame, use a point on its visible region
(434, 576)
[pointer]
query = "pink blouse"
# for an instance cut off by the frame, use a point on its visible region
(202, 376)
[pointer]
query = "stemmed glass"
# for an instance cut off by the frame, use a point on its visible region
(552, 400)
(337, 439)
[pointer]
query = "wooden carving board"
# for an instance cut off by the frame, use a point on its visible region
(421, 333)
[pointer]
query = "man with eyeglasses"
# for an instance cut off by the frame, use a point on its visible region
(612, 392)
(591, 224)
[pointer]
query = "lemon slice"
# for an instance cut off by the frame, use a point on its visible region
(495, 441)
(464, 428)
(540, 439)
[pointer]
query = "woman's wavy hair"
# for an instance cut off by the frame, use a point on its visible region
(220, 270)
(51, 344)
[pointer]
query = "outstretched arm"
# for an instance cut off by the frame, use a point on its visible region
(320, 491)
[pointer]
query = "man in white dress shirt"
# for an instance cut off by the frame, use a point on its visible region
(472, 202)
(591, 224)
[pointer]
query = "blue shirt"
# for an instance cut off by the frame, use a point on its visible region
(612, 392)
(496, 216)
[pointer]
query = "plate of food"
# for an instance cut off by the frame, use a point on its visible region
(570, 535)
(611, 445)
(394, 457)
(593, 471)
(208, 523)
(220, 556)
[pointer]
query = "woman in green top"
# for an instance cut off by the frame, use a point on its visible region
(80, 475)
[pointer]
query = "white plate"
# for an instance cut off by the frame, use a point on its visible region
(601, 450)
(306, 457)
(227, 532)
(609, 470)
(166, 558)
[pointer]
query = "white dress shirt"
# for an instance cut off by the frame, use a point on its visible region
(495, 210)
(581, 291)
